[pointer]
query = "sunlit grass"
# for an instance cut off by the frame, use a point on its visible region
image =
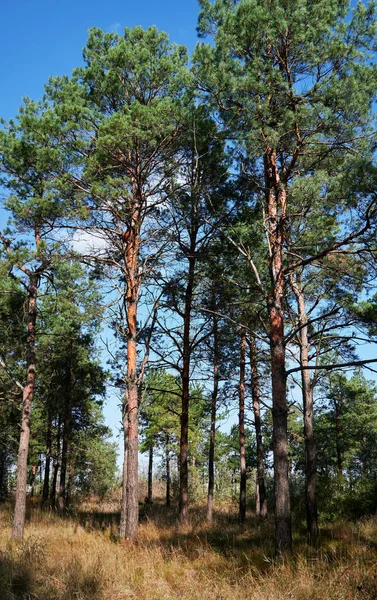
(80, 558)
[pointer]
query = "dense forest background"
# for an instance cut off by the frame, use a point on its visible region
(195, 235)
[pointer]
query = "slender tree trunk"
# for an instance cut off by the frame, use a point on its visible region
(241, 421)
(3, 486)
(168, 477)
(338, 437)
(65, 446)
(211, 458)
(32, 482)
(123, 514)
(70, 477)
(20, 504)
(46, 481)
(276, 214)
(132, 485)
(183, 453)
(55, 467)
(261, 498)
(150, 476)
(307, 397)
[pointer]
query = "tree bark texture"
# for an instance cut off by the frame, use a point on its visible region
(131, 500)
(261, 498)
(186, 351)
(20, 504)
(276, 221)
(211, 458)
(123, 513)
(307, 398)
(241, 425)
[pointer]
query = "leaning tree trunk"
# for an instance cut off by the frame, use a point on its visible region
(307, 397)
(20, 504)
(186, 351)
(261, 498)
(46, 480)
(211, 458)
(241, 422)
(276, 221)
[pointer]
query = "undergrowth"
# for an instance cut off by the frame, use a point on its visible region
(80, 557)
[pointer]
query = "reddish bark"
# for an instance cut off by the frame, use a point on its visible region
(20, 504)
(130, 502)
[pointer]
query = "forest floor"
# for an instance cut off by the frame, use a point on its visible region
(79, 558)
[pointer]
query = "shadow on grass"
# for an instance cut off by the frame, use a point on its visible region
(224, 535)
(19, 579)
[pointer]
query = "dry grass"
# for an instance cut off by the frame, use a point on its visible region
(80, 559)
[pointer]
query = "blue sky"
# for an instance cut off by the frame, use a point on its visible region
(39, 38)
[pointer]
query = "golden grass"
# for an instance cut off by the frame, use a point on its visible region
(80, 559)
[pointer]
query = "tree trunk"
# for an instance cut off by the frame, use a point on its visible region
(70, 477)
(131, 508)
(211, 458)
(241, 421)
(66, 441)
(20, 504)
(55, 467)
(338, 436)
(261, 499)
(32, 482)
(46, 481)
(150, 476)
(307, 397)
(183, 450)
(167, 460)
(276, 214)
(123, 514)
